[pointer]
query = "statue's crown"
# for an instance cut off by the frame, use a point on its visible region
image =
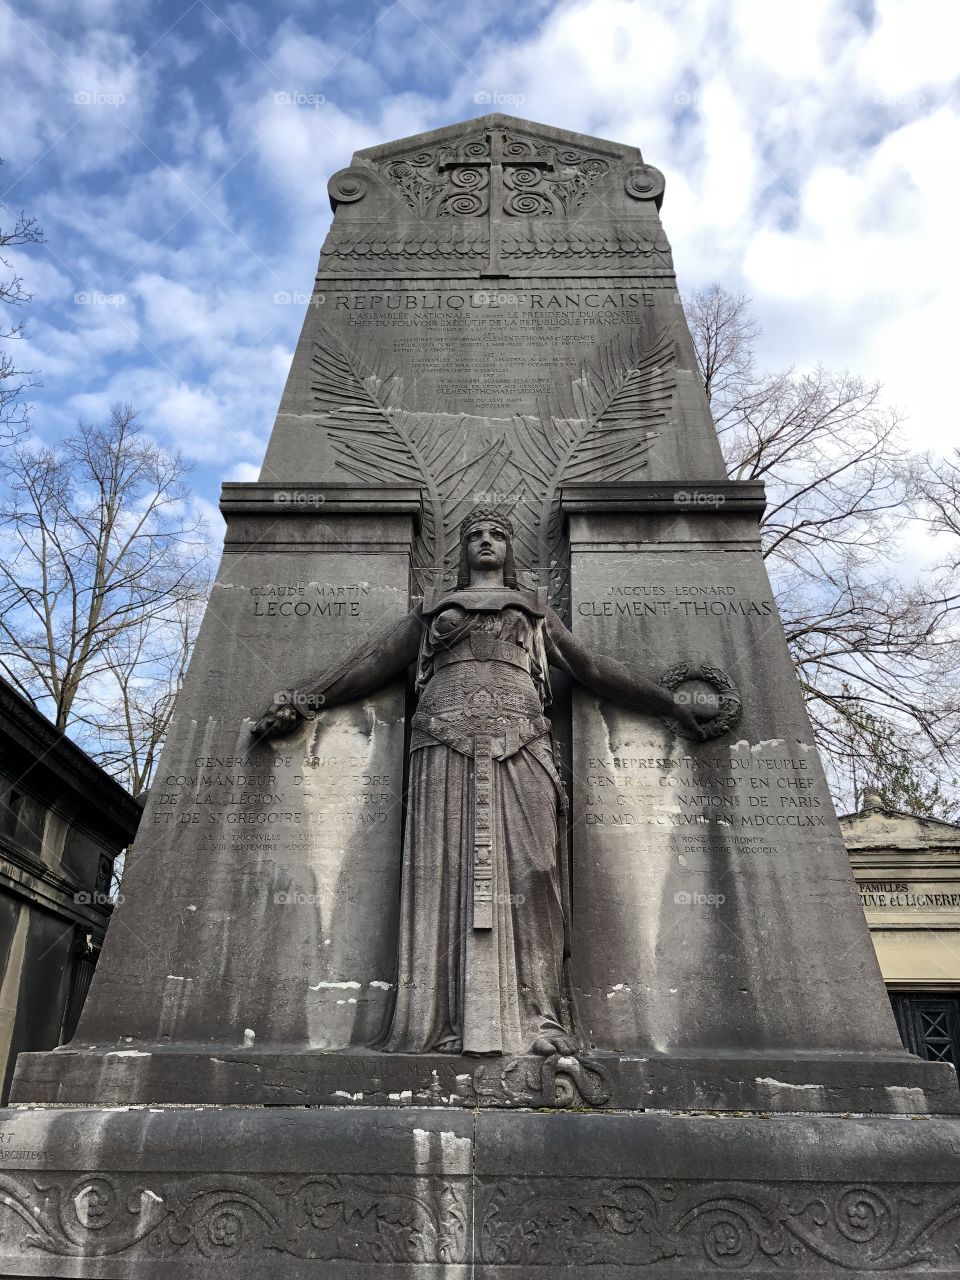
(485, 515)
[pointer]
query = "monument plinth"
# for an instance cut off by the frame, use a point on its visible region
(490, 840)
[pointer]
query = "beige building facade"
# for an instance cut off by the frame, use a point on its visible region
(908, 872)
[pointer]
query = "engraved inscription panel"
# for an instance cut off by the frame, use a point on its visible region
(483, 350)
(299, 841)
(697, 858)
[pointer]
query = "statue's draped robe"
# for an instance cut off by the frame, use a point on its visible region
(481, 923)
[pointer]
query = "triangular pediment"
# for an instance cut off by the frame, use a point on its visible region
(882, 826)
(498, 163)
(455, 135)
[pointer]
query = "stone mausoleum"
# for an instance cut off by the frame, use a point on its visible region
(907, 870)
(63, 821)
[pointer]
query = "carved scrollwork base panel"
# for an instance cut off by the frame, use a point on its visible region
(198, 1218)
(680, 1229)
(184, 1224)
(352, 1193)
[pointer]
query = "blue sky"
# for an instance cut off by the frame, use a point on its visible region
(177, 154)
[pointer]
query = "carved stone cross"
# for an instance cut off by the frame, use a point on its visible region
(508, 169)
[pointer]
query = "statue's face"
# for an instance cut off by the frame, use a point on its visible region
(486, 547)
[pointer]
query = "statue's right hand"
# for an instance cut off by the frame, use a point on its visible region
(283, 718)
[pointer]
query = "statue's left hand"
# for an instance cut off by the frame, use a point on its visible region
(690, 719)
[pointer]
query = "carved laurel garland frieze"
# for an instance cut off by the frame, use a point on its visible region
(546, 243)
(525, 250)
(445, 242)
(682, 1228)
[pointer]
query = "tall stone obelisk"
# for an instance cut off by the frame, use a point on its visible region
(495, 322)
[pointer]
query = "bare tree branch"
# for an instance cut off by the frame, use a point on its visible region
(876, 648)
(103, 573)
(14, 381)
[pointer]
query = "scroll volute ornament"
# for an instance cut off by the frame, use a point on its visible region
(644, 182)
(347, 186)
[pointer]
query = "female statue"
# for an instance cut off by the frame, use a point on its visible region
(482, 917)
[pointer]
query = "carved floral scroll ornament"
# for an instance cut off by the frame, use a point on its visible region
(374, 1218)
(539, 179)
(695, 1226)
(544, 243)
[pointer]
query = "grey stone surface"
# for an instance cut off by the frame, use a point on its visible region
(179, 1194)
(264, 905)
(791, 1080)
(484, 885)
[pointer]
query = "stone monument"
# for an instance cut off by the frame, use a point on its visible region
(489, 916)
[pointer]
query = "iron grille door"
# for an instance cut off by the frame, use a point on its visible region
(929, 1026)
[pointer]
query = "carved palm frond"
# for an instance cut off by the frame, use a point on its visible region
(358, 400)
(376, 441)
(626, 395)
(600, 428)
(461, 463)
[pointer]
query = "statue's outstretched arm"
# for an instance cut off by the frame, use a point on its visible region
(364, 669)
(610, 678)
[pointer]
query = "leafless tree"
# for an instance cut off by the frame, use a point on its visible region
(127, 715)
(868, 640)
(724, 333)
(879, 755)
(940, 489)
(14, 381)
(102, 569)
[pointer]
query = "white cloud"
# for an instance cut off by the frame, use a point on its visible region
(912, 46)
(804, 148)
